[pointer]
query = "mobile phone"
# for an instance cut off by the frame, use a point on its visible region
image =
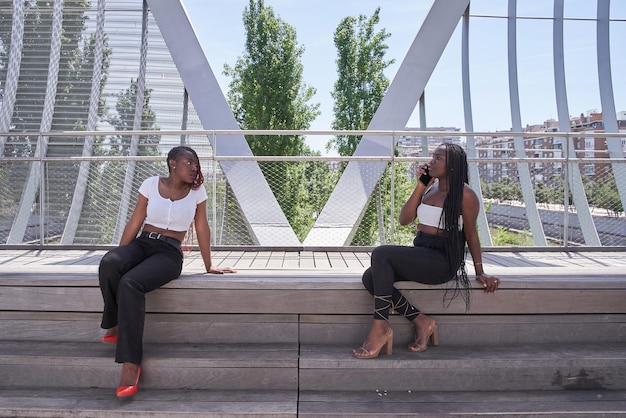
(425, 178)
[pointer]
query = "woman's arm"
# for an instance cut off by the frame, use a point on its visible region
(136, 220)
(204, 240)
(469, 211)
(408, 213)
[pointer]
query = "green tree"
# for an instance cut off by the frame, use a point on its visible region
(267, 92)
(361, 84)
(604, 195)
(358, 91)
(506, 190)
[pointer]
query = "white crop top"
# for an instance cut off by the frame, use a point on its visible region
(174, 215)
(431, 216)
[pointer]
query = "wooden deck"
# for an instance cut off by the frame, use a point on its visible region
(268, 262)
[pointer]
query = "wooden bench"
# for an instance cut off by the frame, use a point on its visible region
(285, 325)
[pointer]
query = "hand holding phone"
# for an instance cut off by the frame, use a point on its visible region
(425, 178)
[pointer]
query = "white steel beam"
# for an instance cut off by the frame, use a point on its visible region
(258, 204)
(532, 213)
(585, 219)
(474, 175)
(73, 217)
(13, 70)
(31, 186)
(609, 116)
(340, 217)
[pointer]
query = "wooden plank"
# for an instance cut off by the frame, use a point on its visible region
(321, 260)
(33, 259)
(336, 260)
(383, 403)
(166, 366)
(365, 258)
(231, 260)
(506, 260)
(291, 260)
(154, 403)
(471, 330)
(159, 328)
(276, 260)
(352, 261)
(260, 259)
(307, 259)
(489, 367)
(321, 300)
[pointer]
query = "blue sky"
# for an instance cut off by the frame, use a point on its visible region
(219, 26)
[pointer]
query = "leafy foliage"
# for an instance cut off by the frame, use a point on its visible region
(267, 93)
(358, 91)
(266, 90)
(361, 83)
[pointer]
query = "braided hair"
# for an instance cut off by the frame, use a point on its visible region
(175, 153)
(457, 173)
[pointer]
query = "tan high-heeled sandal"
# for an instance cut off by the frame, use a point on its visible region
(429, 335)
(366, 353)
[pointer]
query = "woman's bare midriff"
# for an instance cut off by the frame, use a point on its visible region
(431, 230)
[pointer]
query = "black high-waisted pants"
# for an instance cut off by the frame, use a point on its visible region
(126, 274)
(425, 262)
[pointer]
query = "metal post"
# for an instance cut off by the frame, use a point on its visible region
(41, 201)
(214, 197)
(566, 192)
(392, 219)
(183, 125)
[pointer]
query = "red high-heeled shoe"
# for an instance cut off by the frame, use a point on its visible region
(123, 391)
(109, 339)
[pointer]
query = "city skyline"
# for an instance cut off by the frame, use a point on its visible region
(222, 40)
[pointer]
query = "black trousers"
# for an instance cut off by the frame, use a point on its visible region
(126, 274)
(425, 262)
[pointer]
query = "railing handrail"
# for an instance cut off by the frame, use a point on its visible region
(301, 158)
(279, 132)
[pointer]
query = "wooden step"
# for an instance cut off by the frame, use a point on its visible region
(487, 368)
(159, 327)
(153, 403)
(454, 330)
(165, 366)
(435, 404)
(147, 403)
(322, 293)
(470, 330)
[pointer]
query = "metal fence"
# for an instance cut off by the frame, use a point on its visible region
(576, 196)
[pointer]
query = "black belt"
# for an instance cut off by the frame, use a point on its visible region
(161, 237)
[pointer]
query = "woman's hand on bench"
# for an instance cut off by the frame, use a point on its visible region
(215, 270)
(490, 283)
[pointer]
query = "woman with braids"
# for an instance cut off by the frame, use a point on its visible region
(447, 209)
(166, 207)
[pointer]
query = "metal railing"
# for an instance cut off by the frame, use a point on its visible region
(577, 199)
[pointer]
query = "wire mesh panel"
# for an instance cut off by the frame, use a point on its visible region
(12, 175)
(302, 187)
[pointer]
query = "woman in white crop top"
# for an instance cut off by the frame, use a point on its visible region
(447, 209)
(165, 210)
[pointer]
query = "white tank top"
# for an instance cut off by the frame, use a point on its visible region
(432, 216)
